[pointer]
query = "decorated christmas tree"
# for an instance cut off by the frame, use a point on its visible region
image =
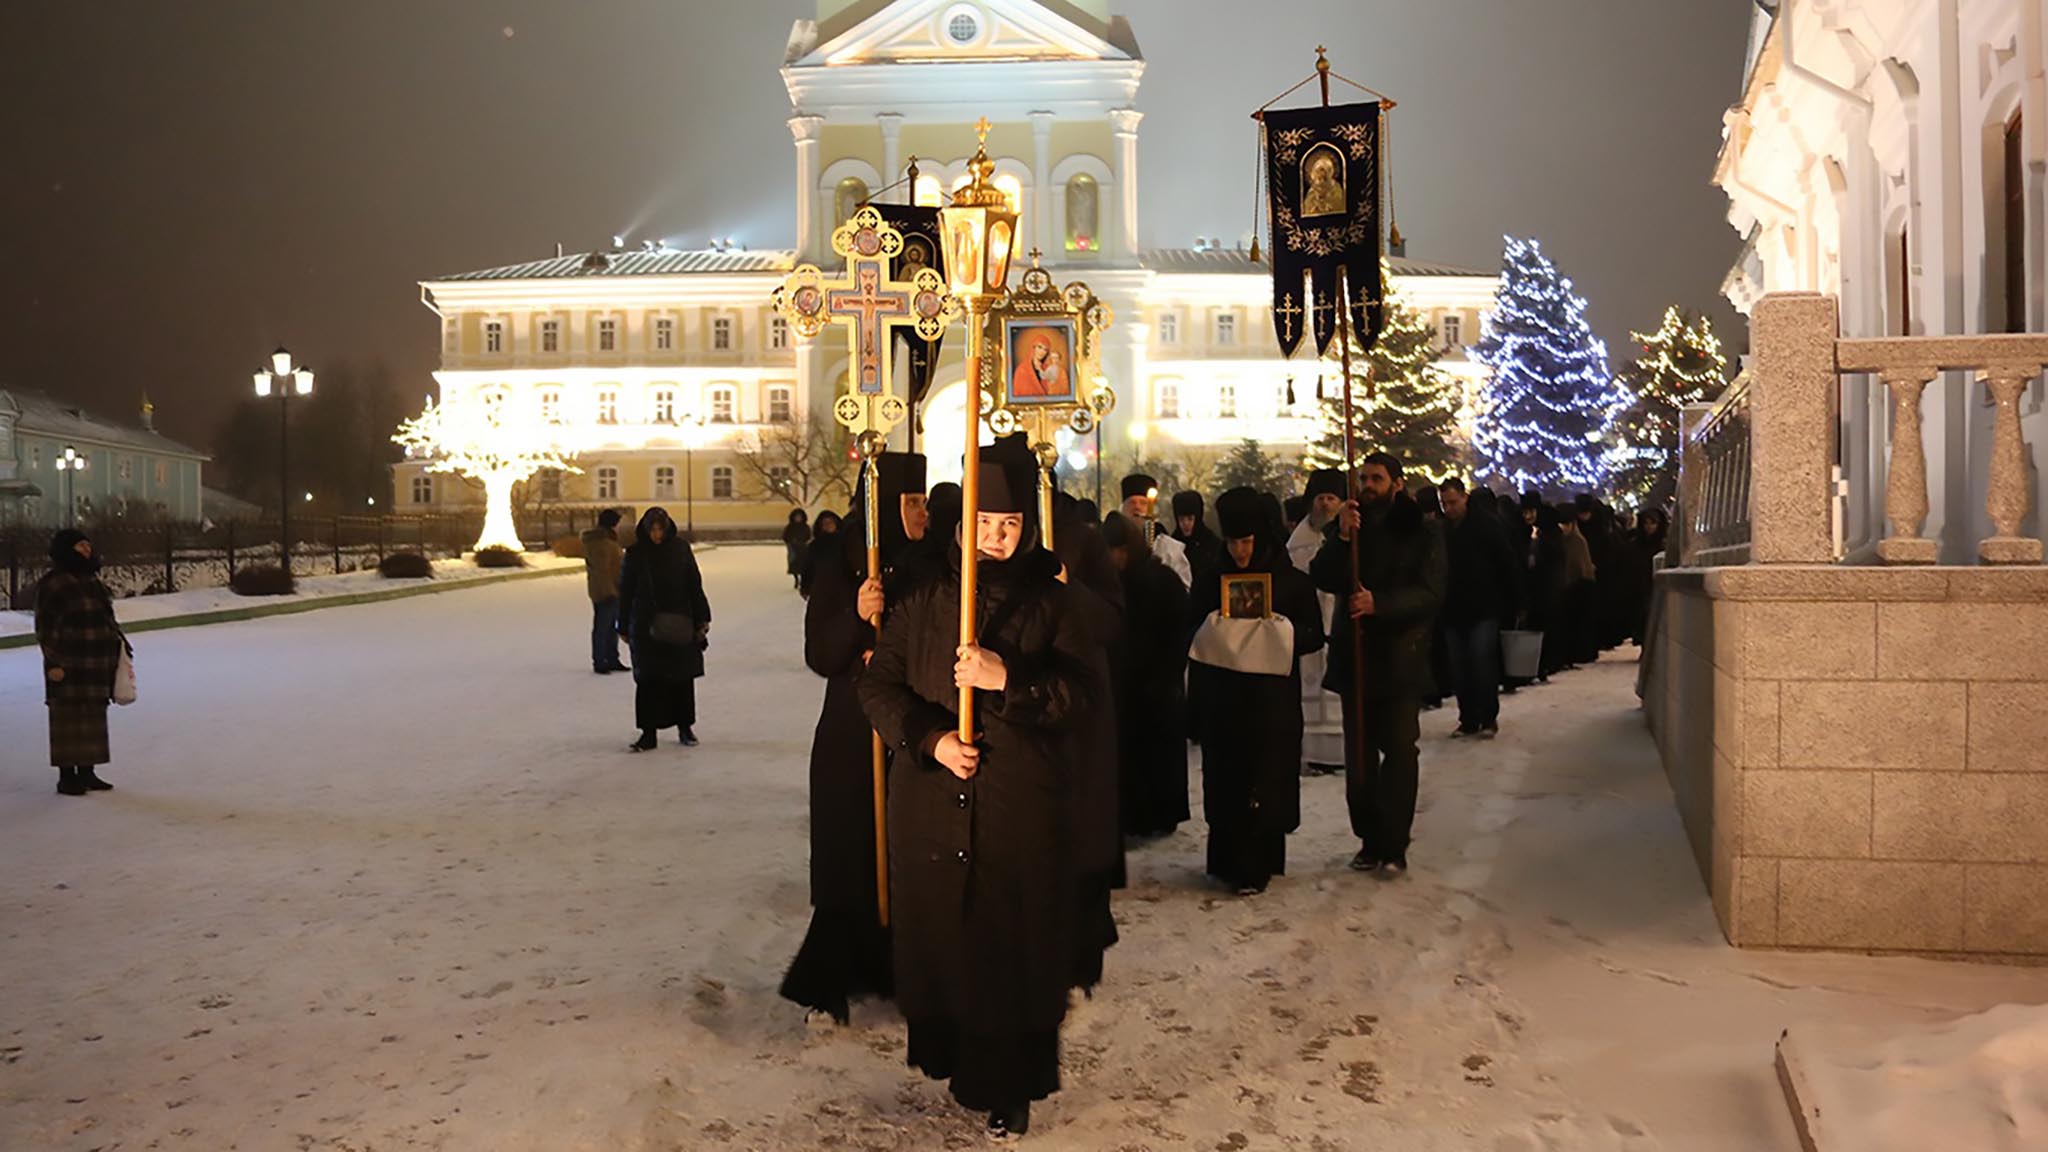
(1550, 401)
(1680, 363)
(1407, 406)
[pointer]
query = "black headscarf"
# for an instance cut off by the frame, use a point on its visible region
(1241, 513)
(64, 553)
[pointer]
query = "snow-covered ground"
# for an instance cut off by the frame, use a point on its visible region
(384, 877)
(202, 601)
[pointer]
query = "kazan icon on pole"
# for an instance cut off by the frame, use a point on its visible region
(1041, 359)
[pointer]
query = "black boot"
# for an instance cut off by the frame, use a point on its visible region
(69, 782)
(92, 781)
(645, 743)
(689, 737)
(1010, 1121)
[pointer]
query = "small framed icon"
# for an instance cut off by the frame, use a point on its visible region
(1248, 596)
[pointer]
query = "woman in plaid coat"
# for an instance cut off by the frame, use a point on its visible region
(81, 647)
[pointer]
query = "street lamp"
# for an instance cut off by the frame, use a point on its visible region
(980, 227)
(692, 427)
(70, 464)
(284, 381)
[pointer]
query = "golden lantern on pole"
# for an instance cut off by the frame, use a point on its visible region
(979, 229)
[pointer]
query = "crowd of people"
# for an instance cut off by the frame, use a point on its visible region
(1282, 638)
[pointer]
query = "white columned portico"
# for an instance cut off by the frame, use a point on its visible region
(806, 131)
(1041, 181)
(891, 124)
(1124, 123)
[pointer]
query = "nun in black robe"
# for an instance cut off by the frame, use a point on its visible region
(982, 858)
(1251, 732)
(845, 954)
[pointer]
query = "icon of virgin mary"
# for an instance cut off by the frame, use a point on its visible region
(1323, 195)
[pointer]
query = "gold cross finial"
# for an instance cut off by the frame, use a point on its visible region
(981, 128)
(1034, 256)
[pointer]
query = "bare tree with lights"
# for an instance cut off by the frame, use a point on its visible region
(803, 461)
(487, 442)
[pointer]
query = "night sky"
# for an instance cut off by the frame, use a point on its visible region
(189, 182)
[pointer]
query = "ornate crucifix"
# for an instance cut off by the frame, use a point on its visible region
(870, 306)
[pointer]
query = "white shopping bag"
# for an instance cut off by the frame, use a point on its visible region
(124, 678)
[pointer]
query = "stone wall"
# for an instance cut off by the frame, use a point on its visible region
(1860, 755)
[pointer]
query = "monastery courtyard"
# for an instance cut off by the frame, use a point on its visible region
(384, 877)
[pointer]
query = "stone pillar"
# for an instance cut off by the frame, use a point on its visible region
(891, 124)
(1692, 484)
(1042, 190)
(1124, 122)
(1905, 499)
(1794, 395)
(2006, 500)
(806, 130)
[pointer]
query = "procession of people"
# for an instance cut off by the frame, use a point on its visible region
(1283, 640)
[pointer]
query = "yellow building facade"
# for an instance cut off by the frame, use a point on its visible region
(672, 381)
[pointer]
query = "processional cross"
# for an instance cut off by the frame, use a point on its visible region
(871, 306)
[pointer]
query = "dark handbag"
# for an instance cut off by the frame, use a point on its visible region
(672, 628)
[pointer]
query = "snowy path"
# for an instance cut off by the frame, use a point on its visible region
(383, 877)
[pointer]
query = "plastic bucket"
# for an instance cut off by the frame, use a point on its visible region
(1521, 654)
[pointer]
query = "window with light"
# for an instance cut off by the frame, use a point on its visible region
(1084, 207)
(1226, 401)
(550, 406)
(1168, 401)
(664, 406)
(721, 406)
(608, 406)
(780, 408)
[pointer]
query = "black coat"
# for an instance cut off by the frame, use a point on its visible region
(1401, 561)
(983, 872)
(1205, 548)
(662, 578)
(1099, 596)
(1251, 726)
(1151, 697)
(842, 759)
(1485, 573)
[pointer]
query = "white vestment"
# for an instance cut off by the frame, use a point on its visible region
(1322, 721)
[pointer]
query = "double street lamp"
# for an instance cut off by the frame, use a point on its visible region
(284, 380)
(70, 464)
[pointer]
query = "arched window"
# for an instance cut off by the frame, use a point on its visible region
(1084, 203)
(930, 193)
(847, 199)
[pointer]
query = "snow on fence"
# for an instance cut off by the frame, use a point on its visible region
(146, 558)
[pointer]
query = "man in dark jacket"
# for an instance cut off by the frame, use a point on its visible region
(602, 557)
(1204, 548)
(1483, 596)
(1150, 669)
(1393, 597)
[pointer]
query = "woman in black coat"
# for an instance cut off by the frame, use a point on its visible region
(981, 836)
(1251, 732)
(663, 612)
(796, 545)
(845, 953)
(1151, 681)
(82, 646)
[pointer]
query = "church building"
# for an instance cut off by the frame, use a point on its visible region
(672, 379)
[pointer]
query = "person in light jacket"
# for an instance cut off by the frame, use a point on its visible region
(82, 647)
(602, 557)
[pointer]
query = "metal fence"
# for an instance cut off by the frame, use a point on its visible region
(1713, 498)
(143, 558)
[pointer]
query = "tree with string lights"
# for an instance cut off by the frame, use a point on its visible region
(484, 439)
(1681, 363)
(1550, 402)
(1401, 401)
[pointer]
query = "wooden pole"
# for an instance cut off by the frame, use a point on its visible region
(871, 477)
(970, 502)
